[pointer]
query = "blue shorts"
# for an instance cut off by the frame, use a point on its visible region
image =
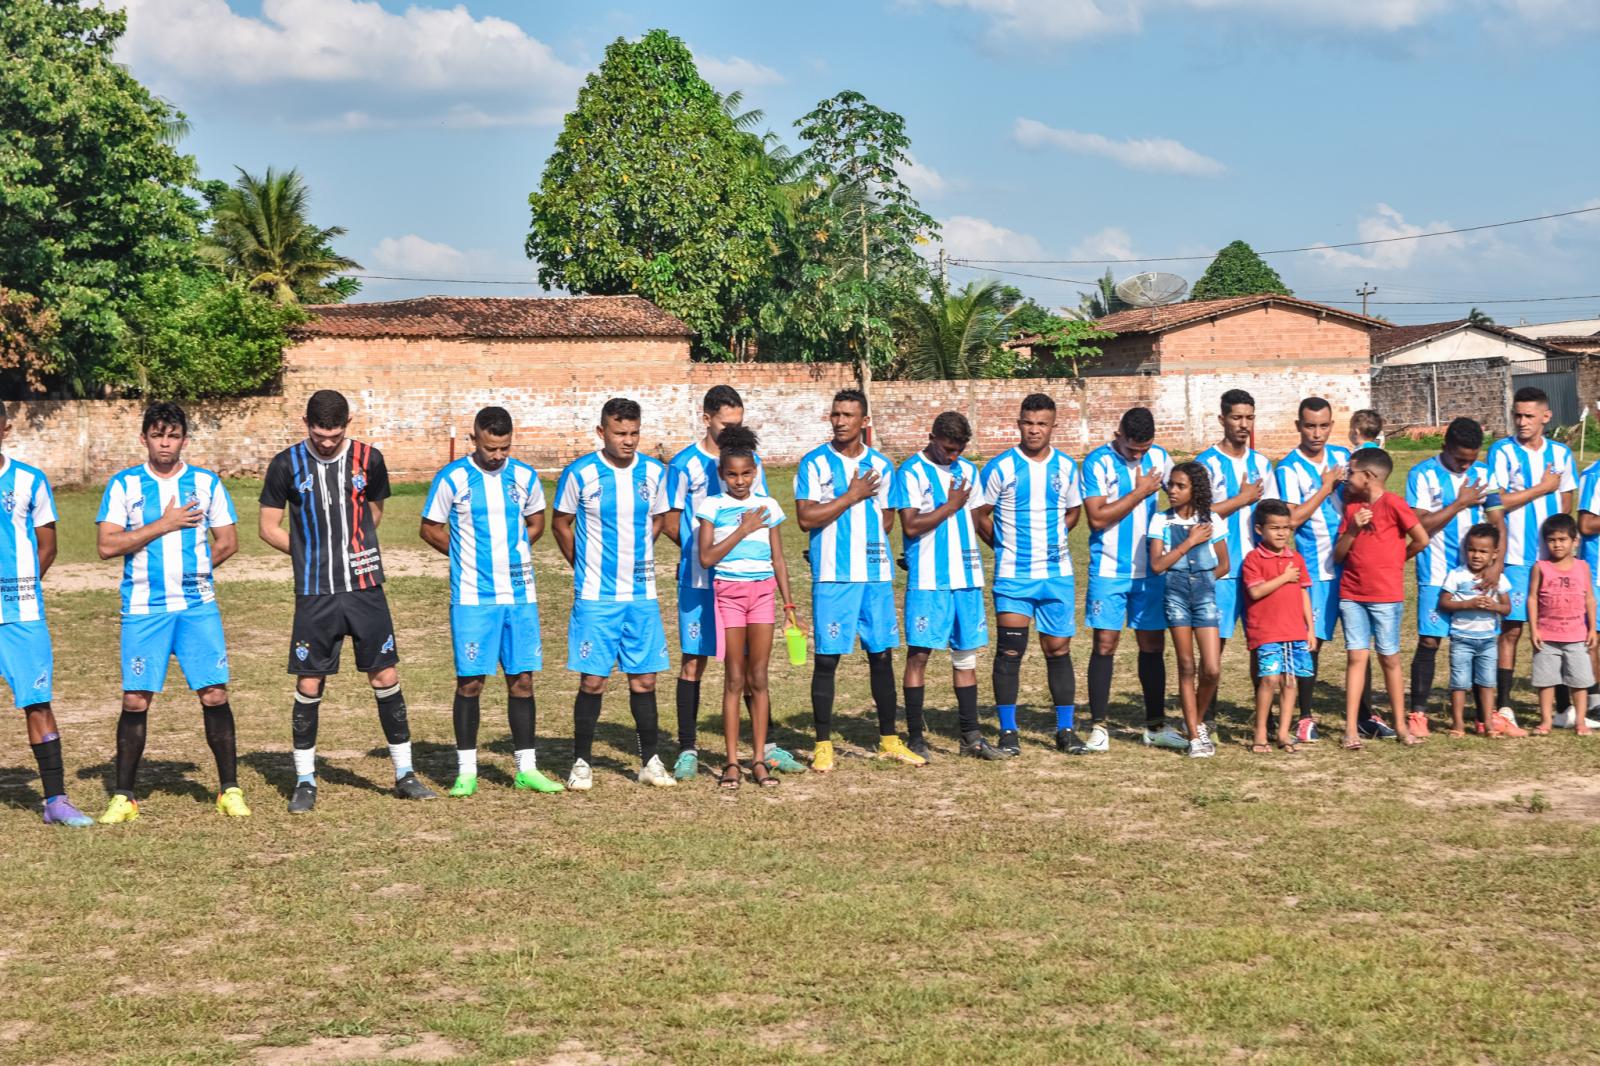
(1371, 625)
(487, 635)
(1230, 608)
(149, 641)
(697, 621)
(603, 634)
(1288, 657)
(946, 618)
(1052, 602)
(1126, 602)
(1192, 598)
(1430, 623)
(843, 610)
(26, 661)
(1519, 577)
(1324, 606)
(1473, 661)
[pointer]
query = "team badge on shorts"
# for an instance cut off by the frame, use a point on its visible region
(42, 681)
(921, 623)
(388, 645)
(301, 650)
(693, 630)
(472, 651)
(136, 664)
(833, 629)
(222, 661)
(584, 649)
(1094, 607)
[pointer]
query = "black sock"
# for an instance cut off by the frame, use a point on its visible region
(1063, 683)
(1153, 682)
(392, 715)
(1502, 686)
(645, 722)
(1308, 686)
(52, 772)
(464, 716)
(303, 721)
(585, 718)
(966, 708)
(915, 724)
(520, 716)
(688, 714)
(223, 741)
(1366, 694)
(130, 749)
(1563, 698)
(1422, 669)
(823, 669)
(1099, 677)
(880, 669)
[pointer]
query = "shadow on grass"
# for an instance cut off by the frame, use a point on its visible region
(278, 771)
(19, 787)
(156, 777)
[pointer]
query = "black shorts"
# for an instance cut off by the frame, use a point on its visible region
(322, 622)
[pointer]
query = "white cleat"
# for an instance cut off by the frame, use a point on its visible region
(582, 778)
(1099, 740)
(1568, 718)
(1166, 737)
(654, 774)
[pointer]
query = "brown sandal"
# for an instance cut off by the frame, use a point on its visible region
(1261, 749)
(731, 777)
(761, 775)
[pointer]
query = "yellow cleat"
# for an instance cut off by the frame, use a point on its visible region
(822, 757)
(120, 809)
(895, 748)
(232, 803)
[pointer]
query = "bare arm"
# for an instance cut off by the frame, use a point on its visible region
(1419, 540)
(376, 507)
(1311, 620)
(436, 535)
(561, 528)
(224, 544)
(1588, 523)
(674, 526)
(1300, 513)
(983, 522)
(713, 551)
(1249, 492)
(1072, 516)
(535, 524)
(780, 571)
(1544, 487)
(1223, 562)
(113, 540)
(813, 515)
(1161, 561)
(1533, 608)
(46, 536)
(270, 526)
(1267, 588)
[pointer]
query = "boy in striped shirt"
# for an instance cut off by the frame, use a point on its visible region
(1031, 501)
(1589, 552)
(27, 548)
(172, 524)
(841, 498)
(486, 511)
(935, 492)
(610, 508)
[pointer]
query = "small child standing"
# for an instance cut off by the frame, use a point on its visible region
(1561, 621)
(1373, 549)
(1192, 552)
(1475, 615)
(1366, 429)
(739, 543)
(1277, 621)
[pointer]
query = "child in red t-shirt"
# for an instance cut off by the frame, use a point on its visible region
(1277, 620)
(1373, 548)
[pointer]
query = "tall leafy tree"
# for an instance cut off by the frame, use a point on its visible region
(652, 189)
(1237, 271)
(1103, 300)
(262, 237)
(955, 334)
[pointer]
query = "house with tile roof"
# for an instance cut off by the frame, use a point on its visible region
(1458, 340)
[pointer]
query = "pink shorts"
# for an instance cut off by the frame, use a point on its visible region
(743, 603)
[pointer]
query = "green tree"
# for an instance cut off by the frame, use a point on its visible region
(1479, 318)
(1069, 349)
(1025, 317)
(262, 237)
(954, 335)
(1237, 271)
(1103, 301)
(651, 190)
(26, 330)
(92, 201)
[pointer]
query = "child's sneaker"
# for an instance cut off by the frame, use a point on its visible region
(1417, 723)
(1305, 731)
(1201, 747)
(1375, 728)
(1505, 724)
(1568, 719)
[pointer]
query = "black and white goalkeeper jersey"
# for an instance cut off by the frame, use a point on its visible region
(333, 540)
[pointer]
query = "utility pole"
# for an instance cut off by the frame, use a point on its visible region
(944, 270)
(1366, 290)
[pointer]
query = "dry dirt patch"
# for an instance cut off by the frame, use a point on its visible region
(1573, 798)
(426, 1047)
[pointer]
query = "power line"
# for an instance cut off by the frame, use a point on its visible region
(1286, 251)
(440, 281)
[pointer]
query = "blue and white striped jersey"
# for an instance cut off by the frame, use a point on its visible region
(172, 572)
(751, 558)
(1298, 479)
(491, 560)
(614, 555)
(1031, 499)
(947, 556)
(1513, 468)
(1121, 551)
(691, 477)
(26, 498)
(854, 546)
(1589, 500)
(1432, 487)
(1228, 476)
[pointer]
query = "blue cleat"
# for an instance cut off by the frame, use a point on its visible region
(57, 811)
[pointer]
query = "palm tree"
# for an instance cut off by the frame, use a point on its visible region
(260, 236)
(952, 335)
(1103, 301)
(1478, 318)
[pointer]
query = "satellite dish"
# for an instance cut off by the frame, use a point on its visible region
(1151, 289)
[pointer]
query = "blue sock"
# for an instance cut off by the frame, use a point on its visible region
(1064, 717)
(305, 779)
(1008, 717)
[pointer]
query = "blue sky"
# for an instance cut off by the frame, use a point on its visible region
(1042, 129)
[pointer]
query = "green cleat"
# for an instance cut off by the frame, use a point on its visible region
(783, 762)
(466, 785)
(687, 768)
(533, 780)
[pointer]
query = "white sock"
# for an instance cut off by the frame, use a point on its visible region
(467, 762)
(526, 763)
(305, 762)
(400, 755)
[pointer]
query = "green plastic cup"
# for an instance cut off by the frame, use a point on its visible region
(796, 639)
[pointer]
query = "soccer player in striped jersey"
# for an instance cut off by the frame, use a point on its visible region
(610, 507)
(332, 488)
(1448, 493)
(1032, 496)
(485, 511)
(1589, 552)
(1310, 480)
(27, 548)
(172, 524)
(841, 498)
(1534, 478)
(1120, 482)
(936, 492)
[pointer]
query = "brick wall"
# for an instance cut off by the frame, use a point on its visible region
(1431, 394)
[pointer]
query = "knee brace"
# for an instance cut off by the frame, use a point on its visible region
(964, 660)
(1010, 648)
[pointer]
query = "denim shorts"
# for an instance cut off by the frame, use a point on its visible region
(1191, 599)
(1369, 625)
(1473, 661)
(1286, 657)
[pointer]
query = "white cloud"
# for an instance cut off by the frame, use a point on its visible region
(967, 237)
(735, 72)
(1106, 244)
(412, 255)
(924, 182)
(1387, 223)
(1146, 153)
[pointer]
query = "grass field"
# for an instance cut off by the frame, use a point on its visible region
(1393, 905)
